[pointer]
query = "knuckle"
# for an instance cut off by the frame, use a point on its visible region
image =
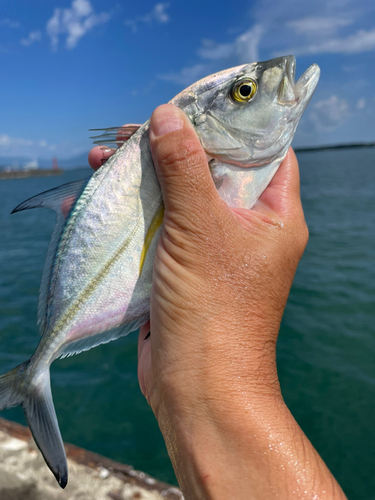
(185, 156)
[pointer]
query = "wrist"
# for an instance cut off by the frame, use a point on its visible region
(210, 449)
(216, 366)
(213, 420)
(256, 453)
(222, 454)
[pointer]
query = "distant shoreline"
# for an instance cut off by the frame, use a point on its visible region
(23, 174)
(75, 164)
(336, 146)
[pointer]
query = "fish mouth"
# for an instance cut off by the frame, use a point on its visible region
(291, 92)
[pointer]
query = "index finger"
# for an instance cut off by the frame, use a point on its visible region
(100, 154)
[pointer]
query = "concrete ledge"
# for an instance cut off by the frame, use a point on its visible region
(25, 476)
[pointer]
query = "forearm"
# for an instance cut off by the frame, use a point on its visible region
(244, 447)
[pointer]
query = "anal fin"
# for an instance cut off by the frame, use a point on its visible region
(88, 343)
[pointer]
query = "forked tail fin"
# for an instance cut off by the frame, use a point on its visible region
(40, 414)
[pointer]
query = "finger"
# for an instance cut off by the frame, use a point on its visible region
(143, 333)
(99, 155)
(283, 197)
(180, 162)
(144, 357)
(283, 193)
(125, 132)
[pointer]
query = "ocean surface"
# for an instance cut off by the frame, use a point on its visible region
(326, 349)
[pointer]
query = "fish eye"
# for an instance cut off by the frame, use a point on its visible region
(244, 90)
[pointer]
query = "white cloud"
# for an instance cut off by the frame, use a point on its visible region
(186, 76)
(213, 50)
(321, 26)
(74, 23)
(34, 36)
(280, 14)
(158, 14)
(10, 23)
(6, 141)
(362, 41)
(82, 8)
(20, 144)
(247, 44)
(361, 103)
(244, 48)
(288, 27)
(328, 114)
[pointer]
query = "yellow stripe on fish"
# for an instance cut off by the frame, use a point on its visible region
(154, 226)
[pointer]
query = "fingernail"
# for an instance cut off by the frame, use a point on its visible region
(166, 119)
(105, 149)
(106, 152)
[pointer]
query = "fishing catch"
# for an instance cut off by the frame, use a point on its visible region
(97, 276)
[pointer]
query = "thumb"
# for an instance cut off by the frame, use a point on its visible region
(181, 164)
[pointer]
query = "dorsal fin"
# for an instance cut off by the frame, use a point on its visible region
(114, 136)
(60, 199)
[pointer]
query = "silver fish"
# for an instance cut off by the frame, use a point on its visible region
(97, 277)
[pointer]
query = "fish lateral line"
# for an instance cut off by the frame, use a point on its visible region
(90, 288)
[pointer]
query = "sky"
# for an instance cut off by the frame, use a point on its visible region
(68, 66)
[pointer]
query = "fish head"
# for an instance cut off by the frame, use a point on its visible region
(247, 115)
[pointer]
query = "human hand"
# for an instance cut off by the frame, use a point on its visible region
(221, 281)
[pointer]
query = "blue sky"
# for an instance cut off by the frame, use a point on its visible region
(68, 66)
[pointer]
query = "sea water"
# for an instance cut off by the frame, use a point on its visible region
(326, 348)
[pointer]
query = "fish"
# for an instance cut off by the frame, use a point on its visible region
(97, 276)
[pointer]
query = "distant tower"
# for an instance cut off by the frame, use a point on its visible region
(55, 165)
